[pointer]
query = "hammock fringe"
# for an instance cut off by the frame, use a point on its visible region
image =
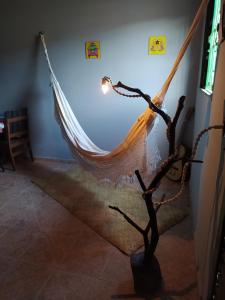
(132, 153)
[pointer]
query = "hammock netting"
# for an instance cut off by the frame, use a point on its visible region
(135, 151)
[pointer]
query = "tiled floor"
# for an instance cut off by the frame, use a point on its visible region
(48, 254)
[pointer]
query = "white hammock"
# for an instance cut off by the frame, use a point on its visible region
(131, 154)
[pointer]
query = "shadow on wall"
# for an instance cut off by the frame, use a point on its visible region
(192, 85)
(79, 17)
(124, 26)
(26, 94)
(30, 94)
(203, 109)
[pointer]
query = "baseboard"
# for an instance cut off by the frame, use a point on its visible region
(53, 159)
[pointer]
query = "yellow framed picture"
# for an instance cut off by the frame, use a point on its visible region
(157, 45)
(92, 50)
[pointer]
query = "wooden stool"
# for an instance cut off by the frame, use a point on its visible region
(17, 136)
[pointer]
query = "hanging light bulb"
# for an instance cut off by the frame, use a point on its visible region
(105, 88)
(105, 84)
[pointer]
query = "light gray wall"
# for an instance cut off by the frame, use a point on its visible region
(202, 115)
(210, 199)
(201, 121)
(123, 27)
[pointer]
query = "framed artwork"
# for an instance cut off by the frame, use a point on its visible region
(157, 45)
(92, 50)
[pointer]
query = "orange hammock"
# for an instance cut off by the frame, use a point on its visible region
(131, 154)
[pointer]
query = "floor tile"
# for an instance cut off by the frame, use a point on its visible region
(46, 253)
(23, 282)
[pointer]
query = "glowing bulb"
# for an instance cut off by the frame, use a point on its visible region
(105, 88)
(105, 85)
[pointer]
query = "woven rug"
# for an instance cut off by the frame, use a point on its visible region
(88, 200)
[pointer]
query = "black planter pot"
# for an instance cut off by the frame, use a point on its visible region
(146, 274)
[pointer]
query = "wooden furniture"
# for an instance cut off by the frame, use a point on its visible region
(17, 136)
(1, 162)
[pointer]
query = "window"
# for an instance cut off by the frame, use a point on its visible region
(210, 46)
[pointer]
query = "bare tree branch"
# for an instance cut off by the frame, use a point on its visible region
(171, 130)
(146, 97)
(173, 156)
(141, 182)
(179, 110)
(195, 161)
(129, 220)
(148, 227)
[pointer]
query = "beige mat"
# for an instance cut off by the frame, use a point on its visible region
(88, 200)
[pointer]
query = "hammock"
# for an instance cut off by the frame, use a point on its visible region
(132, 153)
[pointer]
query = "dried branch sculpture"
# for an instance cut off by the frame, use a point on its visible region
(150, 244)
(148, 192)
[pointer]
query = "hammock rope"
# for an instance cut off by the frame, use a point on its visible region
(137, 133)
